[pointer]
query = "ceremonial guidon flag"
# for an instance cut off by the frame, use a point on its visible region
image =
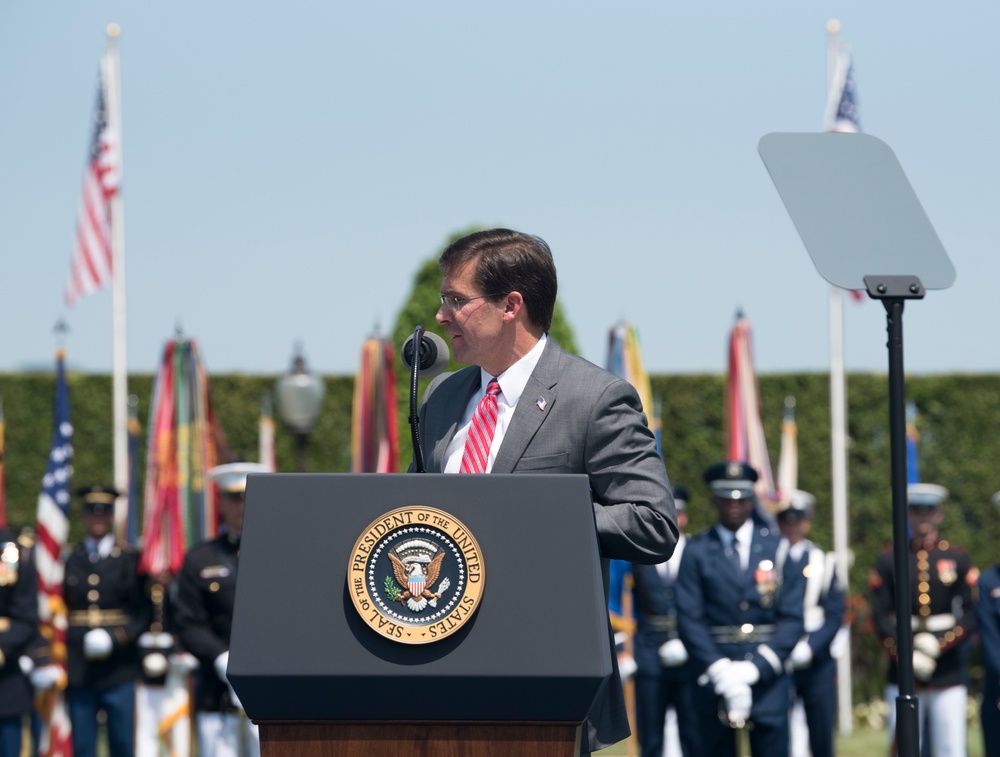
(53, 529)
(744, 427)
(91, 267)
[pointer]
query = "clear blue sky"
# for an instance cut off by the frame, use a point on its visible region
(287, 167)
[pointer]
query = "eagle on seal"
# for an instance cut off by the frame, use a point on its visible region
(418, 579)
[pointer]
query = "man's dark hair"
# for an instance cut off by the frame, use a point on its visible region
(508, 261)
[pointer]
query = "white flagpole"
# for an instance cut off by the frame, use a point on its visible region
(119, 370)
(838, 444)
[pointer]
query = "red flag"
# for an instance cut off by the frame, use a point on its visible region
(374, 433)
(90, 268)
(745, 430)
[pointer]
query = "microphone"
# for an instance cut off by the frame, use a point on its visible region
(431, 358)
(434, 354)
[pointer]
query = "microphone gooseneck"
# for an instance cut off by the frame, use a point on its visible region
(431, 358)
(418, 452)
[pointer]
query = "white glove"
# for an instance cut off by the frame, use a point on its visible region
(154, 664)
(673, 654)
(150, 640)
(220, 664)
(923, 665)
(183, 662)
(739, 699)
(627, 666)
(743, 671)
(802, 655)
(26, 664)
(97, 644)
(45, 677)
(715, 673)
(928, 644)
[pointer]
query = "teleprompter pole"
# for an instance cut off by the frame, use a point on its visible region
(894, 291)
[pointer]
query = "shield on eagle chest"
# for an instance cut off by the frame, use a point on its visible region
(415, 584)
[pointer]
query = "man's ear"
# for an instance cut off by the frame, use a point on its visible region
(513, 305)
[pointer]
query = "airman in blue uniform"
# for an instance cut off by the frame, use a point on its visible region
(664, 680)
(742, 616)
(813, 658)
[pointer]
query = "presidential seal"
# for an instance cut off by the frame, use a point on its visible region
(416, 575)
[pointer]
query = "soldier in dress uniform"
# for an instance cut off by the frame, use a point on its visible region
(742, 613)
(988, 622)
(665, 680)
(943, 589)
(814, 656)
(18, 630)
(107, 613)
(203, 617)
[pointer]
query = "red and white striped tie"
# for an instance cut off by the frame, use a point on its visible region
(484, 424)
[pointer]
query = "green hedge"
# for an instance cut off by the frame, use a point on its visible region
(958, 421)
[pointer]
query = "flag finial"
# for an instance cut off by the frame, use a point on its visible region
(114, 30)
(832, 26)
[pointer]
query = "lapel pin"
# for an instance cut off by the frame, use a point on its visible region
(541, 403)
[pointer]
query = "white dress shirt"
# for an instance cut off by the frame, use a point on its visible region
(512, 382)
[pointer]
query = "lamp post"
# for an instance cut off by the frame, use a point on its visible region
(300, 396)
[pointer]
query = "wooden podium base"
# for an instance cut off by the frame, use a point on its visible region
(410, 739)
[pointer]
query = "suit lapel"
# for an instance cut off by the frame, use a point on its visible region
(467, 384)
(534, 406)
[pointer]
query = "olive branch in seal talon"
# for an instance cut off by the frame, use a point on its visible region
(391, 590)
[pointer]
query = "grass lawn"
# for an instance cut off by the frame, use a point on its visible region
(866, 743)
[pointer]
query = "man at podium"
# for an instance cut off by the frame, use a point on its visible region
(526, 406)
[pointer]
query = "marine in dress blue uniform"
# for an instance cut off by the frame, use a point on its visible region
(814, 657)
(18, 630)
(742, 613)
(665, 679)
(203, 620)
(988, 622)
(107, 613)
(943, 585)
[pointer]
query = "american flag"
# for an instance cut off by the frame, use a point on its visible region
(842, 102)
(52, 530)
(90, 268)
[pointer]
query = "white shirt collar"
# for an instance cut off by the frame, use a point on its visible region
(513, 380)
(744, 533)
(102, 547)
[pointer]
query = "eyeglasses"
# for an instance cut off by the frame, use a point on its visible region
(457, 303)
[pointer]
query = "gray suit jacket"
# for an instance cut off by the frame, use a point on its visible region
(592, 423)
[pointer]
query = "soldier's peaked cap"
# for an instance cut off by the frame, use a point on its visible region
(231, 478)
(681, 496)
(925, 495)
(98, 498)
(800, 505)
(731, 479)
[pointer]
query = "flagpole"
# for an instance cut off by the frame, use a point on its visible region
(838, 443)
(119, 363)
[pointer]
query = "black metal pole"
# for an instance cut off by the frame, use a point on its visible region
(301, 440)
(907, 721)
